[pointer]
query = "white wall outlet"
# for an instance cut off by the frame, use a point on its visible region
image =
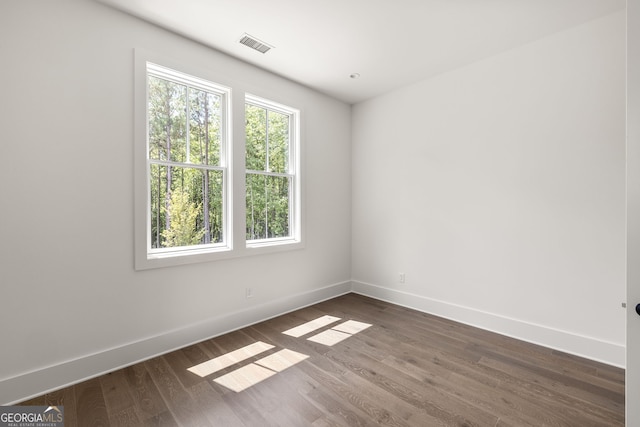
(248, 293)
(402, 277)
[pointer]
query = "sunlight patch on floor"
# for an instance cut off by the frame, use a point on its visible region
(311, 326)
(214, 365)
(351, 327)
(250, 375)
(339, 332)
(244, 377)
(282, 360)
(329, 337)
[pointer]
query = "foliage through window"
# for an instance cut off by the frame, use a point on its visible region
(270, 170)
(189, 203)
(186, 160)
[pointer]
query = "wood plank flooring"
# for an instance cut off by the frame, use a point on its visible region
(407, 369)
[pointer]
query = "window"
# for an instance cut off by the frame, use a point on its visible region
(189, 193)
(271, 173)
(186, 163)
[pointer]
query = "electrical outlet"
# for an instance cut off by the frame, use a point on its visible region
(249, 293)
(402, 277)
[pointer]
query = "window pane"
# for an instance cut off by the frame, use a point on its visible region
(256, 206)
(278, 142)
(256, 144)
(277, 206)
(267, 206)
(204, 127)
(167, 120)
(186, 206)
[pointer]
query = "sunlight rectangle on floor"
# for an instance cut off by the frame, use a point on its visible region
(281, 360)
(245, 377)
(329, 337)
(214, 365)
(311, 326)
(351, 327)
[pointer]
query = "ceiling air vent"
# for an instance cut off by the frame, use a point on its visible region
(255, 44)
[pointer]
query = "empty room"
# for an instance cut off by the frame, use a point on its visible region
(337, 213)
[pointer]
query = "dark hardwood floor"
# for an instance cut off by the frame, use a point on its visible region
(407, 369)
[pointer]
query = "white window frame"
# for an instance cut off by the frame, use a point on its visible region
(145, 256)
(235, 243)
(295, 217)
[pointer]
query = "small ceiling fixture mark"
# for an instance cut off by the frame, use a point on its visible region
(254, 43)
(355, 75)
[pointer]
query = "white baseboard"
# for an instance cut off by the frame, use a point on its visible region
(579, 345)
(38, 382)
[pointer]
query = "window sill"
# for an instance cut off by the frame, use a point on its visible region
(176, 258)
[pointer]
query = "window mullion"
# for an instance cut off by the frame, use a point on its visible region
(186, 165)
(278, 174)
(187, 130)
(266, 141)
(266, 209)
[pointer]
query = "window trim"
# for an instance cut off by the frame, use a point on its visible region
(236, 243)
(145, 257)
(190, 81)
(293, 172)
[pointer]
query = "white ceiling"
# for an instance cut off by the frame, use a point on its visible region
(390, 43)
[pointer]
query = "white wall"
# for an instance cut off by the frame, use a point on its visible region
(70, 298)
(633, 213)
(499, 190)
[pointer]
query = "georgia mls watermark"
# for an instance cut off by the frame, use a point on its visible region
(31, 416)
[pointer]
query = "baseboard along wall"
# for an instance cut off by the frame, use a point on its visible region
(579, 345)
(38, 382)
(35, 383)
